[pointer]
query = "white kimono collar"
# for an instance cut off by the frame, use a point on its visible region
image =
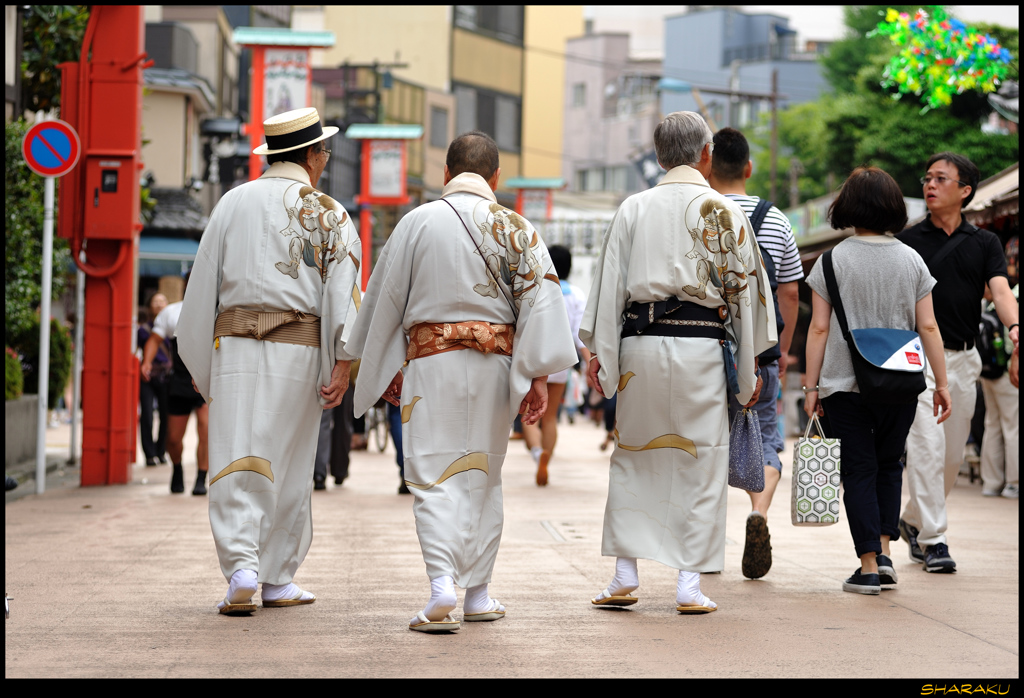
(684, 174)
(287, 170)
(469, 183)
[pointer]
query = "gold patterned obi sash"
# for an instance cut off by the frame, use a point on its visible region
(438, 337)
(288, 326)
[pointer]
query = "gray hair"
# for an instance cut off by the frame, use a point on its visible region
(680, 139)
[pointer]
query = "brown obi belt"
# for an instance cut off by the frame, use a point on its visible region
(287, 326)
(438, 337)
(673, 318)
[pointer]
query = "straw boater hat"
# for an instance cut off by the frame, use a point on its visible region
(293, 130)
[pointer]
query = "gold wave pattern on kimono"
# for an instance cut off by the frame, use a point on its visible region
(407, 409)
(663, 441)
(625, 379)
(253, 464)
(472, 461)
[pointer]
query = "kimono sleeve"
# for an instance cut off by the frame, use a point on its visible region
(378, 337)
(199, 310)
(341, 300)
(601, 326)
(748, 297)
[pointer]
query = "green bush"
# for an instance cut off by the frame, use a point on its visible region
(15, 379)
(61, 358)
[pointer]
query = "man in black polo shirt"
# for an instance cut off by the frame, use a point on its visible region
(962, 258)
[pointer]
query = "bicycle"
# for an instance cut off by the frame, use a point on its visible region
(377, 425)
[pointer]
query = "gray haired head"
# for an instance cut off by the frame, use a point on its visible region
(680, 138)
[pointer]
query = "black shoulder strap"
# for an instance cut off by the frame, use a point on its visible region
(501, 289)
(757, 217)
(938, 257)
(833, 293)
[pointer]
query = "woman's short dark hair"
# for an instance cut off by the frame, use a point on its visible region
(561, 258)
(870, 199)
(967, 171)
(298, 156)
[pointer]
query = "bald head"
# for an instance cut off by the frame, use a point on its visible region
(472, 152)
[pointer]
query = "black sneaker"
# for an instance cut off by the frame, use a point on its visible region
(200, 487)
(937, 559)
(863, 583)
(909, 534)
(757, 549)
(319, 484)
(886, 573)
(178, 479)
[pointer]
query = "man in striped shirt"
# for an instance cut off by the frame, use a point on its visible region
(730, 169)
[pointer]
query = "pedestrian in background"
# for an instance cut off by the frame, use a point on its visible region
(182, 400)
(961, 258)
(542, 437)
(731, 167)
(882, 283)
(1000, 444)
(154, 389)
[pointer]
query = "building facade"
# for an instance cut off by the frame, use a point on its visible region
(724, 48)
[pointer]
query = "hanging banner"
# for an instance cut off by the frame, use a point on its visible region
(387, 175)
(535, 204)
(286, 80)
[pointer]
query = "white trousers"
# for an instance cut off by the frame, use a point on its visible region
(1000, 454)
(936, 451)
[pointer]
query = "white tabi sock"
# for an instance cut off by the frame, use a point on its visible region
(626, 578)
(478, 601)
(688, 591)
(442, 599)
(283, 592)
(535, 453)
(241, 588)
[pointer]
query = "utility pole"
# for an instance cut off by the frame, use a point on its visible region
(795, 168)
(734, 86)
(775, 132)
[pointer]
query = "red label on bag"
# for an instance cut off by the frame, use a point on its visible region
(913, 358)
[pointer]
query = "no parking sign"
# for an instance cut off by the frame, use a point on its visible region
(51, 148)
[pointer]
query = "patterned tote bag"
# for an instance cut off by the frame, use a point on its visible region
(815, 478)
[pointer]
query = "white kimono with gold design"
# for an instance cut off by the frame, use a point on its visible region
(457, 407)
(670, 466)
(272, 244)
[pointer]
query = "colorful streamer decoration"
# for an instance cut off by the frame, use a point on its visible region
(940, 56)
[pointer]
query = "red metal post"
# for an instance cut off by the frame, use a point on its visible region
(102, 99)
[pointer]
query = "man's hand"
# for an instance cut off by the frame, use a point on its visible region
(536, 401)
(592, 370)
(394, 392)
(756, 394)
(1015, 337)
(146, 369)
(339, 384)
(1014, 369)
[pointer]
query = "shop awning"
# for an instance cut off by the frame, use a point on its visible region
(162, 256)
(997, 197)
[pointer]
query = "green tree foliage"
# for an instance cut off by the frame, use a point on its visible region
(860, 123)
(52, 34)
(23, 233)
(15, 380)
(61, 359)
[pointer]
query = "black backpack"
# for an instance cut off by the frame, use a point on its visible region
(756, 219)
(990, 346)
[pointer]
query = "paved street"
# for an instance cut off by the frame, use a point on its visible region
(122, 582)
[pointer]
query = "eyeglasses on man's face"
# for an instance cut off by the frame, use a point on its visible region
(940, 180)
(327, 154)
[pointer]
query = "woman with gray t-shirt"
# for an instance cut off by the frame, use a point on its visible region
(882, 283)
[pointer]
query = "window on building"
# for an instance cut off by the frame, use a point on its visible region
(495, 114)
(579, 94)
(438, 127)
(504, 22)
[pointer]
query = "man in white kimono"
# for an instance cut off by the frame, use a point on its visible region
(261, 330)
(465, 292)
(679, 273)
